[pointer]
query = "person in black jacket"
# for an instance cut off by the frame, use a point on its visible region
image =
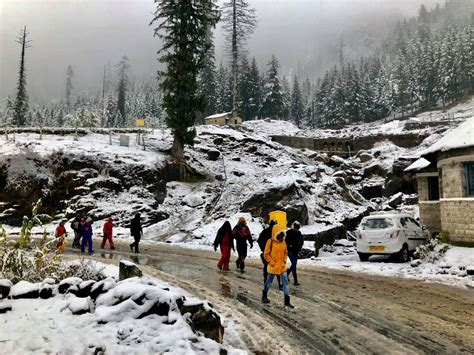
(136, 231)
(294, 241)
(264, 236)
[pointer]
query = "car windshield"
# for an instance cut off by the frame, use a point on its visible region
(376, 223)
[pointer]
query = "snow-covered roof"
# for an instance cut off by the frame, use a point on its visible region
(460, 137)
(418, 165)
(219, 115)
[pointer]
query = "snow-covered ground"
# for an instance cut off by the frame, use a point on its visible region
(60, 331)
(451, 269)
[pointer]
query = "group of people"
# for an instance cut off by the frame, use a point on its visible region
(275, 249)
(82, 228)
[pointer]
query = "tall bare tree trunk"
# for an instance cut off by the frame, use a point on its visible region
(234, 59)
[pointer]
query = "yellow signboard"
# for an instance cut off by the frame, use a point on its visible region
(140, 122)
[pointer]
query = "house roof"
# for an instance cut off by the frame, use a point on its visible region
(460, 137)
(219, 115)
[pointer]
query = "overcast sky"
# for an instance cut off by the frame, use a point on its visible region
(90, 33)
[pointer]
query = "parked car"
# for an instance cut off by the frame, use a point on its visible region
(390, 234)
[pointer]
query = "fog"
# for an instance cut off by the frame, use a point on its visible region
(87, 34)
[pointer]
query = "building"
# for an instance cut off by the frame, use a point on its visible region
(445, 177)
(222, 119)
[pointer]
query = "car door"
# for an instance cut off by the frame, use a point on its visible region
(418, 237)
(408, 232)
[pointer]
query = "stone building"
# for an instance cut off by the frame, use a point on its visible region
(445, 176)
(222, 119)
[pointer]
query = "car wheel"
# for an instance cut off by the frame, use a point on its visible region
(404, 255)
(363, 256)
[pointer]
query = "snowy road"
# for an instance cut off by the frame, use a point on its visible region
(336, 311)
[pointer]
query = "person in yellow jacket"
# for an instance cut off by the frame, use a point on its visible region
(276, 254)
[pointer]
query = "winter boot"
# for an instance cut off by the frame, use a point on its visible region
(296, 280)
(287, 302)
(265, 298)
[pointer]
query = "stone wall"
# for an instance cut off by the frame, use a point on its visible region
(453, 180)
(430, 216)
(349, 145)
(422, 183)
(457, 217)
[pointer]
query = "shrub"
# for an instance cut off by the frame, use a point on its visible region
(431, 252)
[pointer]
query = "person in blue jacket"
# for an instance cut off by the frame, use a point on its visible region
(86, 226)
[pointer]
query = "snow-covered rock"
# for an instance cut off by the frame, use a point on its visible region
(5, 286)
(128, 269)
(24, 289)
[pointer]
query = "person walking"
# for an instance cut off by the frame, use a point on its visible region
(77, 229)
(226, 241)
(60, 233)
(276, 253)
(87, 235)
(107, 234)
(294, 241)
(242, 235)
(262, 240)
(136, 231)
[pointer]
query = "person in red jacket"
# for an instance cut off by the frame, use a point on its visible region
(107, 234)
(60, 234)
(225, 239)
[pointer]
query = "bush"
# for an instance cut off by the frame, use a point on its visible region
(27, 260)
(431, 252)
(444, 237)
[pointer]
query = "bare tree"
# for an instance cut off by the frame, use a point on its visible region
(239, 22)
(21, 101)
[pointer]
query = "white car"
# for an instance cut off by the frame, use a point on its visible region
(390, 234)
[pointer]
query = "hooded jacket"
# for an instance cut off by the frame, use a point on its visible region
(276, 254)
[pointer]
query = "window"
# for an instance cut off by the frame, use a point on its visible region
(469, 172)
(433, 188)
(376, 223)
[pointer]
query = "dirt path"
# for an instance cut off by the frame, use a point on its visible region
(336, 312)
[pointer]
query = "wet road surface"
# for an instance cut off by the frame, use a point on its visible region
(336, 312)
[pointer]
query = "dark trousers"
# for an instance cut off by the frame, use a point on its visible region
(294, 260)
(135, 243)
(265, 271)
(77, 239)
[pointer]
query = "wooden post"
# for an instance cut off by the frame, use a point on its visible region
(143, 140)
(75, 134)
(6, 133)
(110, 137)
(41, 133)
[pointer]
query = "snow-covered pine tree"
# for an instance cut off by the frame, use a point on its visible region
(296, 103)
(20, 110)
(183, 27)
(122, 69)
(69, 86)
(207, 81)
(272, 105)
(223, 90)
(239, 21)
(286, 93)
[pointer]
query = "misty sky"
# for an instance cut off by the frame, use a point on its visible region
(90, 33)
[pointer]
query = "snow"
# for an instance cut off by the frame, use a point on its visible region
(63, 332)
(418, 165)
(23, 287)
(449, 269)
(5, 283)
(460, 137)
(219, 115)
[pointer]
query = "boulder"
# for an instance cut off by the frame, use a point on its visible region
(286, 199)
(372, 190)
(69, 284)
(305, 253)
(218, 140)
(128, 269)
(5, 286)
(238, 173)
(365, 157)
(374, 169)
(5, 307)
(84, 288)
(192, 201)
(102, 287)
(24, 289)
(395, 200)
(205, 320)
(46, 291)
(79, 306)
(213, 154)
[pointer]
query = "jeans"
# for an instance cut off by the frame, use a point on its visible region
(294, 260)
(86, 239)
(268, 283)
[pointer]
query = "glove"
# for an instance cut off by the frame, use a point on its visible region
(215, 247)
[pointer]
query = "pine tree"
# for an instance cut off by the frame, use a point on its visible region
(122, 72)
(223, 90)
(183, 27)
(69, 87)
(272, 105)
(255, 90)
(21, 100)
(239, 22)
(286, 95)
(207, 81)
(296, 103)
